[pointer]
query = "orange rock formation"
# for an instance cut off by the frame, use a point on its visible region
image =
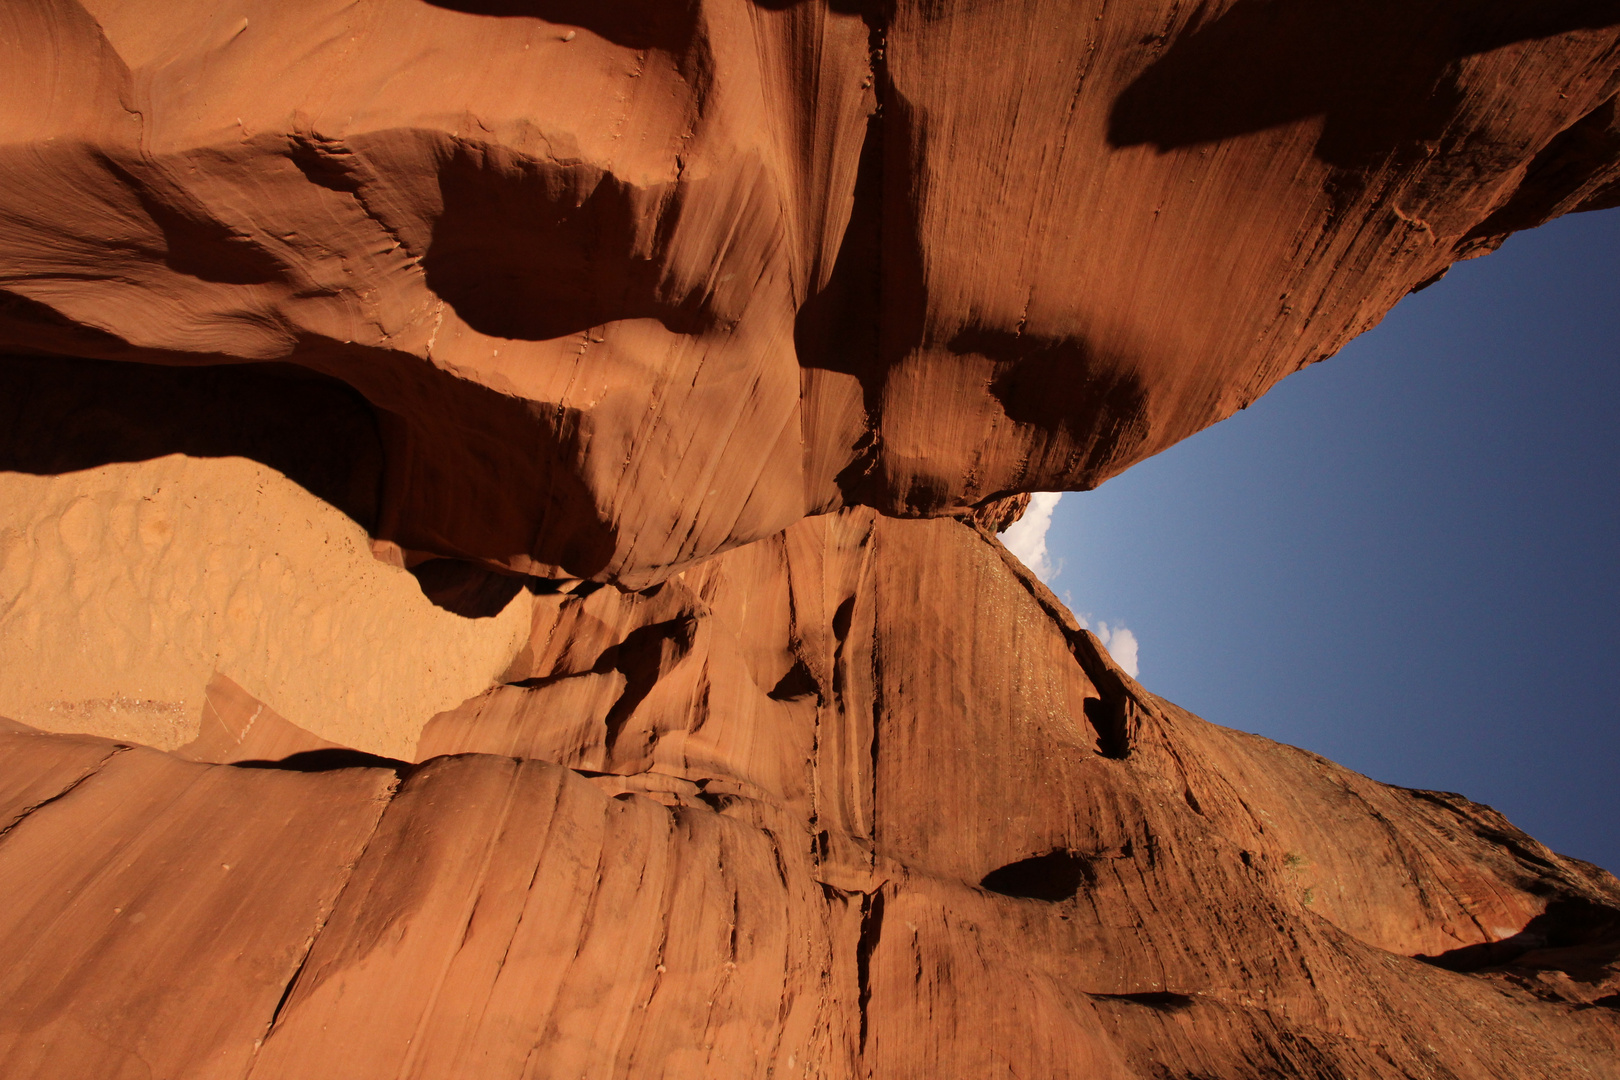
(497, 573)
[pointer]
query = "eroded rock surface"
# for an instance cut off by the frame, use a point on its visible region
(800, 813)
(630, 297)
(497, 573)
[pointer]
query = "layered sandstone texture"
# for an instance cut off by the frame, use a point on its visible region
(497, 560)
(859, 800)
(631, 283)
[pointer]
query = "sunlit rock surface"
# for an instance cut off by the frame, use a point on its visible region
(497, 561)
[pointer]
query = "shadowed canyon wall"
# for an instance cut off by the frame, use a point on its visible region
(497, 558)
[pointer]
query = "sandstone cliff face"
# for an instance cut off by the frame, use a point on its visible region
(496, 558)
(795, 813)
(630, 297)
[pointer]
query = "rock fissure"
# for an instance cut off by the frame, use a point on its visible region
(292, 982)
(871, 929)
(22, 814)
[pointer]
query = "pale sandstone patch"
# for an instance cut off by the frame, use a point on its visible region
(124, 588)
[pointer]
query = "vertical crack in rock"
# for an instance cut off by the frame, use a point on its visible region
(28, 811)
(497, 832)
(1110, 715)
(387, 800)
(1116, 715)
(292, 981)
(871, 932)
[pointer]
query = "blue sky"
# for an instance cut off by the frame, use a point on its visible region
(1406, 558)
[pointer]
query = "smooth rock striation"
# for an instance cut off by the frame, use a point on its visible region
(807, 851)
(625, 299)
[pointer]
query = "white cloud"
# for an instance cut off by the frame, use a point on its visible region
(1121, 645)
(1118, 640)
(1026, 538)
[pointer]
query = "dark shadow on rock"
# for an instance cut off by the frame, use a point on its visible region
(475, 591)
(872, 312)
(327, 760)
(1062, 385)
(1381, 72)
(466, 589)
(798, 683)
(1573, 927)
(534, 250)
(63, 414)
(1110, 718)
(557, 586)
(413, 454)
(195, 242)
(1158, 1000)
(1562, 168)
(669, 25)
(644, 656)
(473, 474)
(1054, 876)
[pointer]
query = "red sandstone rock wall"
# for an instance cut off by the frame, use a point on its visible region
(625, 299)
(726, 332)
(812, 850)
